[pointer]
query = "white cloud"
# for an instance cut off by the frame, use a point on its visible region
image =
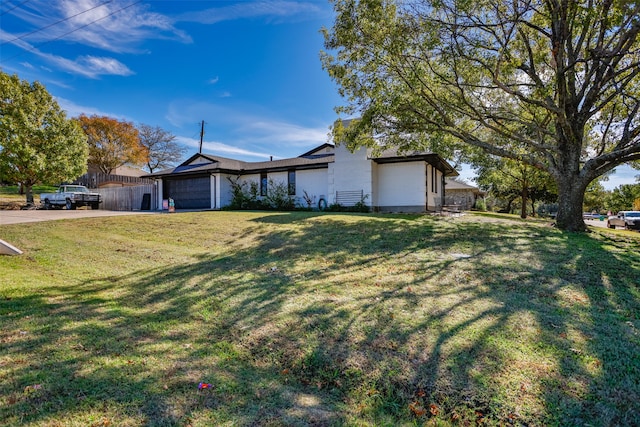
(269, 9)
(115, 26)
(246, 129)
(225, 150)
(287, 133)
(88, 66)
(74, 110)
(624, 174)
(214, 80)
(101, 65)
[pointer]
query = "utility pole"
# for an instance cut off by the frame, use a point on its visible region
(201, 136)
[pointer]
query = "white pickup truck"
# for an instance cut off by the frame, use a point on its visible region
(70, 196)
(627, 219)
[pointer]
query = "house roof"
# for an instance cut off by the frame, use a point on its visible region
(200, 163)
(318, 158)
(326, 147)
(454, 185)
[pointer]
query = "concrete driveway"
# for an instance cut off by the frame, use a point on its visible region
(35, 215)
(596, 222)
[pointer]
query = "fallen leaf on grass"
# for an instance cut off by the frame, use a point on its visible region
(433, 409)
(32, 388)
(417, 410)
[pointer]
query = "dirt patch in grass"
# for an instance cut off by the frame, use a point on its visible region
(317, 319)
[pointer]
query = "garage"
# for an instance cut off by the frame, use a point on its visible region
(188, 193)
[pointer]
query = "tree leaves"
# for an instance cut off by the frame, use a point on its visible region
(112, 143)
(554, 85)
(38, 144)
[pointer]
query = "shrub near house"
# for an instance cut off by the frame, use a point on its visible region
(246, 195)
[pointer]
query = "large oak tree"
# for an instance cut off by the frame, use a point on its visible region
(551, 83)
(38, 143)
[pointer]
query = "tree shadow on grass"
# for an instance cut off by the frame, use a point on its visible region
(344, 319)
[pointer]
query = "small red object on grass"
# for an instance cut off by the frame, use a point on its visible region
(204, 385)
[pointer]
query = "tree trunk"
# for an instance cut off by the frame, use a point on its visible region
(29, 192)
(533, 207)
(523, 208)
(570, 198)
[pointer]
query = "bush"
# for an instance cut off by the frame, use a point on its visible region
(246, 195)
(278, 197)
(481, 205)
(360, 206)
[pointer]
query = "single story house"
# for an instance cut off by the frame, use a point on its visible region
(461, 194)
(328, 174)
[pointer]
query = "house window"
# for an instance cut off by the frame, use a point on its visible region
(263, 184)
(291, 178)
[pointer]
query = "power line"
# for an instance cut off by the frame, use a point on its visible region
(76, 29)
(11, 8)
(55, 23)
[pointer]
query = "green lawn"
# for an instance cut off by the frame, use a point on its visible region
(302, 319)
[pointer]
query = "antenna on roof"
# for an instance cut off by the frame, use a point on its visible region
(201, 136)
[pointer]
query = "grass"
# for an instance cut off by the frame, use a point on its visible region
(10, 197)
(302, 319)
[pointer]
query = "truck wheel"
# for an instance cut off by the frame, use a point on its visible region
(609, 225)
(95, 205)
(70, 205)
(47, 204)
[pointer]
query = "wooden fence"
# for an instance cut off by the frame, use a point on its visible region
(99, 179)
(127, 198)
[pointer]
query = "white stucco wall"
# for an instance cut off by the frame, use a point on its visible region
(158, 185)
(314, 182)
(215, 191)
(434, 198)
(401, 184)
(224, 190)
(351, 172)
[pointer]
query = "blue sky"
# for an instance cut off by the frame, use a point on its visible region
(249, 69)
